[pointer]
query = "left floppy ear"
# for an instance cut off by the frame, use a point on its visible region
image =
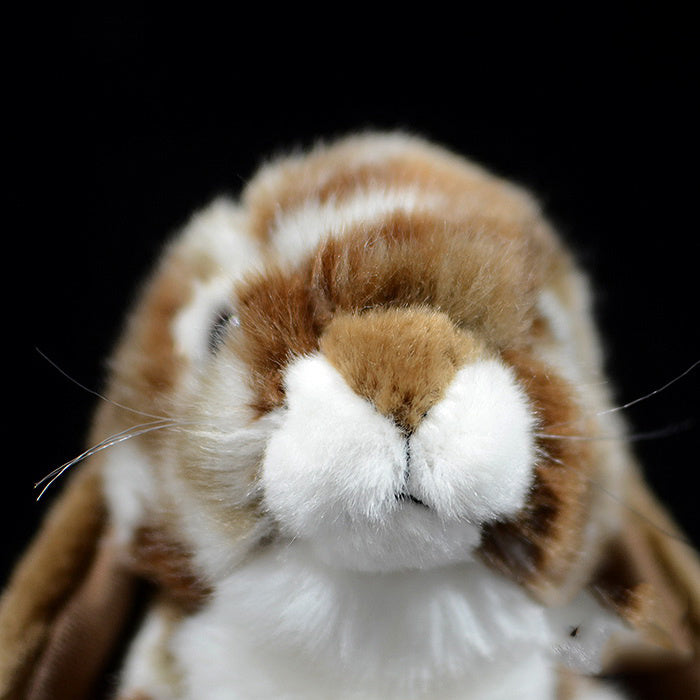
(651, 579)
(67, 601)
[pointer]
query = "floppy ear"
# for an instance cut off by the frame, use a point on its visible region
(67, 600)
(651, 579)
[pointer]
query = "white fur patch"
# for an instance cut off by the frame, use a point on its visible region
(192, 326)
(473, 454)
(286, 626)
(335, 469)
(299, 231)
(219, 233)
(331, 474)
(147, 666)
(333, 448)
(583, 628)
(129, 488)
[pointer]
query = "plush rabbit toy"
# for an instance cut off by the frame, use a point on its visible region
(355, 439)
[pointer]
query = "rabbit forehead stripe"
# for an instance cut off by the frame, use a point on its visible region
(298, 231)
(373, 163)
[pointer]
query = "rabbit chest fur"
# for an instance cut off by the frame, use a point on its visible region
(286, 626)
(351, 445)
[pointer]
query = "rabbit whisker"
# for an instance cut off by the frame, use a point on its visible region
(651, 393)
(616, 409)
(97, 393)
(88, 451)
(634, 437)
(112, 440)
(546, 455)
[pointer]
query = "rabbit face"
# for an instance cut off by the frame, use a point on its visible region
(387, 434)
(378, 389)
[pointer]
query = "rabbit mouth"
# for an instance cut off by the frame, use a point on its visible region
(409, 497)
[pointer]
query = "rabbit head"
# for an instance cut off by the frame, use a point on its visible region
(385, 352)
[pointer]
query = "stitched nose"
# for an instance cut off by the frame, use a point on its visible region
(402, 360)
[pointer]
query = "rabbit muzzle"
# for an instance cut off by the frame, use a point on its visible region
(399, 439)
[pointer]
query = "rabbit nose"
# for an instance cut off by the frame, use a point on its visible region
(401, 360)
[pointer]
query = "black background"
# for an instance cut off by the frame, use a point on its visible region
(124, 121)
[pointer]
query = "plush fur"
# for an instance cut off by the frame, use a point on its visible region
(356, 422)
(286, 625)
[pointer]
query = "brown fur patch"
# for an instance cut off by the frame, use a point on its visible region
(680, 681)
(638, 580)
(482, 282)
(539, 547)
(652, 580)
(399, 359)
(47, 577)
(84, 634)
(167, 563)
(158, 364)
(146, 366)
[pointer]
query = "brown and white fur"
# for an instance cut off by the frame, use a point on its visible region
(362, 449)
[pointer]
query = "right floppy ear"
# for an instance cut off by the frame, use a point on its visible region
(67, 601)
(651, 579)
